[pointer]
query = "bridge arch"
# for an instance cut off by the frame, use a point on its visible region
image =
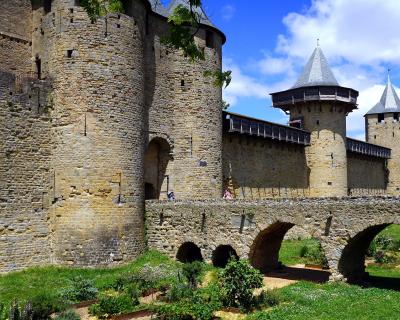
(352, 260)
(157, 158)
(264, 252)
(189, 252)
(222, 254)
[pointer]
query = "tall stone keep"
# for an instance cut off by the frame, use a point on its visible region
(95, 68)
(382, 127)
(317, 103)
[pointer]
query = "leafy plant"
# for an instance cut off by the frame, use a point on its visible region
(268, 298)
(112, 303)
(67, 315)
(81, 289)
(179, 291)
(238, 281)
(192, 271)
(98, 8)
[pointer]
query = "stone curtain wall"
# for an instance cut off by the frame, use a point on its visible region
(209, 224)
(15, 18)
(25, 149)
(366, 172)
(257, 168)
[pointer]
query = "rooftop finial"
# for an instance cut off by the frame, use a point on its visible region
(318, 42)
(389, 75)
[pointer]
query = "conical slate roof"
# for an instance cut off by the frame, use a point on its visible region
(389, 102)
(203, 17)
(316, 72)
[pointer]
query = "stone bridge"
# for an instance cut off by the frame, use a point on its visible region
(255, 229)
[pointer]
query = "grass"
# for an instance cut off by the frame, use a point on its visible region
(392, 231)
(31, 282)
(333, 302)
(291, 249)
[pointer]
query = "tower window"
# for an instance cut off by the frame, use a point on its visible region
(69, 53)
(381, 117)
(209, 39)
(396, 116)
(182, 83)
(47, 6)
(38, 63)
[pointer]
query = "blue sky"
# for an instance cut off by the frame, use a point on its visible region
(269, 41)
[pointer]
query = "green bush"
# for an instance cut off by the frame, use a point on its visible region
(179, 291)
(304, 251)
(383, 257)
(112, 303)
(268, 298)
(38, 308)
(200, 306)
(154, 277)
(238, 281)
(3, 312)
(191, 272)
(81, 289)
(67, 315)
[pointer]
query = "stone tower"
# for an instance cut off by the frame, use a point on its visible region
(382, 127)
(96, 199)
(317, 103)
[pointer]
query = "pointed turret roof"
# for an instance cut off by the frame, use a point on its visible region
(316, 72)
(389, 102)
(203, 17)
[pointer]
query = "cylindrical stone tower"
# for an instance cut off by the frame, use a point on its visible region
(96, 71)
(382, 127)
(318, 104)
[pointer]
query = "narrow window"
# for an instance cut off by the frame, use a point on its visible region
(396, 116)
(69, 53)
(38, 63)
(72, 20)
(381, 117)
(182, 83)
(147, 26)
(47, 6)
(71, 10)
(209, 39)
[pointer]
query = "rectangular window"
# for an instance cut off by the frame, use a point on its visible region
(209, 39)
(47, 6)
(396, 116)
(381, 117)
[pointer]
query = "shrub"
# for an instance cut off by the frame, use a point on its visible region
(3, 312)
(269, 298)
(81, 289)
(38, 308)
(112, 303)
(238, 281)
(154, 277)
(200, 306)
(67, 315)
(178, 292)
(304, 251)
(191, 272)
(383, 257)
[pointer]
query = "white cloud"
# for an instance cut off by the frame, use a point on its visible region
(228, 12)
(362, 32)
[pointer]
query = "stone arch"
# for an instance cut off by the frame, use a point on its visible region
(222, 254)
(189, 252)
(264, 252)
(157, 158)
(352, 260)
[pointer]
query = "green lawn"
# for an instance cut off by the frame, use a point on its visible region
(308, 301)
(291, 249)
(393, 231)
(34, 281)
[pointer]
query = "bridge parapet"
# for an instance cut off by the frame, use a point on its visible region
(238, 223)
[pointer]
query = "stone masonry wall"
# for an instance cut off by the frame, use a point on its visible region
(184, 107)
(366, 172)
(387, 134)
(260, 168)
(96, 70)
(25, 149)
(208, 224)
(326, 156)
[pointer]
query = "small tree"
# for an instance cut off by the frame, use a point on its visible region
(238, 281)
(192, 271)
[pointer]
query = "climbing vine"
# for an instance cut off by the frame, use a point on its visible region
(99, 8)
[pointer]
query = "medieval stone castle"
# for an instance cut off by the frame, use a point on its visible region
(97, 117)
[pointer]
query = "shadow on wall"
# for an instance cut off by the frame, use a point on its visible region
(157, 158)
